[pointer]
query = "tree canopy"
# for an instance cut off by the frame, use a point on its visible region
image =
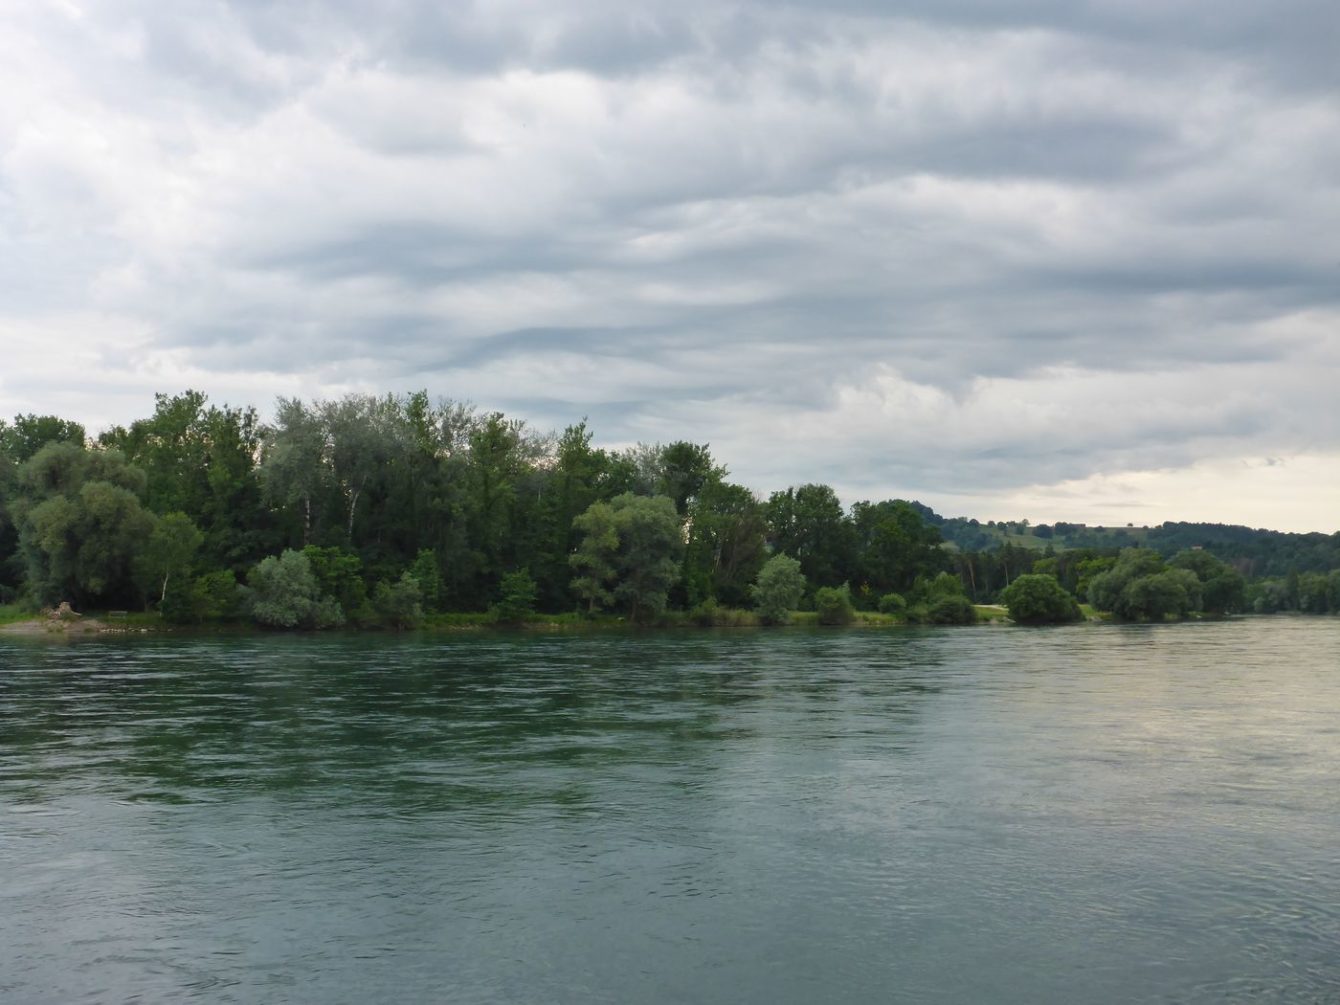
(483, 512)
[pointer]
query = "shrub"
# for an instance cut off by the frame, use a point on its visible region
(892, 603)
(951, 610)
(778, 588)
(398, 605)
(517, 598)
(215, 596)
(282, 592)
(710, 614)
(1174, 592)
(705, 614)
(834, 606)
(425, 569)
(1039, 599)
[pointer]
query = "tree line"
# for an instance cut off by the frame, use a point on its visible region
(373, 510)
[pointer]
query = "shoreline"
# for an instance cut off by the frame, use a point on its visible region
(452, 624)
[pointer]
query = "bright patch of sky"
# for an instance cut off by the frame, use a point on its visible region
(1046, 259)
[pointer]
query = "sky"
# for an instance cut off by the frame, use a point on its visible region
(1052, 259)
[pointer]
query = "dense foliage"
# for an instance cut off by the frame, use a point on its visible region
(1038, 599)
(383, 511)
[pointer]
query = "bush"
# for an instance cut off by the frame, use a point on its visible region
(398, 605)
(517, 598)
(951, 610)
(282, 592)
(705, 614)
(778, 588)
(946, 584)
(339, 575)
(425, 569)
(892, 603)
(834, 606)
(710, 614)
(1038, 599)
(215, 596)
(1174, 592)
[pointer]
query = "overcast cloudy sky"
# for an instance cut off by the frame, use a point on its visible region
(1045, 259)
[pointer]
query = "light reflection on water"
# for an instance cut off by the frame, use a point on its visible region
(1090, 813)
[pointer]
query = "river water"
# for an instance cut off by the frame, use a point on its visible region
(1088, 814)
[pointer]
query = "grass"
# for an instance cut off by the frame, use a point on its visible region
(132, 619)
(11, 613)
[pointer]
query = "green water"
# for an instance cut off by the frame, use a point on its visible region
(1088, 814)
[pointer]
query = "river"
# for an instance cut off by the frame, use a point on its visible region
(1090, 813)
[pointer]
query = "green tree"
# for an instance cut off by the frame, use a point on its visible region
(30, 433)
(1312, 589)
(1222, 590)
(80, 523)
(895, 544)
(339, 575)
(398, 605)
(778, 589)
(426, 573)
(726, 546)
(1170, 593)
(293, 469)
(200, 460)
(952, 609)
(834, 606)
(578, 478)
(596, 556)
(282, 592)
(649, 548)
(892, 603)
(1039, 599)
(213, 596)
(1106, 588)
(170, 551)
(516, 598)
(628, 554)
(685, 469)
(808, 523)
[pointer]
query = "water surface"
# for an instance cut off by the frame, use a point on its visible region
(1098, 814)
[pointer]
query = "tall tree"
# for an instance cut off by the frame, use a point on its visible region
(81, 522)
(200, 460)
(808, 523)
(896, 545)
(294, 471)
(594, 560)
(169, 552)
(726, 543)
(629, 554)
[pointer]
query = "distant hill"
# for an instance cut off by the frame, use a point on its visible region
(1254, 551)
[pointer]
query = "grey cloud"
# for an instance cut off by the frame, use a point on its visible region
(865, 244)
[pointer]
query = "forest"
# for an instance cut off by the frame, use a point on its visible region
(384, 511)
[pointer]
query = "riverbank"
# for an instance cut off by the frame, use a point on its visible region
(13, 622)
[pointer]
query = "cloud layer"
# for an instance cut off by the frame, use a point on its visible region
(1055, 259)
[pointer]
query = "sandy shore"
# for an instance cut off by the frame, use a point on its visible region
(46, 626)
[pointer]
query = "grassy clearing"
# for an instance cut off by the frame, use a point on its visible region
(991, 612)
